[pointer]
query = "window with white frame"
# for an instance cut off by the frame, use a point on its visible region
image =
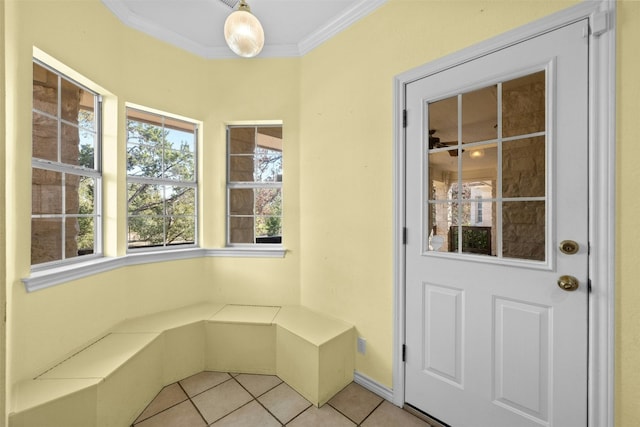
(254, 185)
(162, 185)
(66, 220)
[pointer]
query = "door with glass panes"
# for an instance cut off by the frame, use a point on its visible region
(497, 237)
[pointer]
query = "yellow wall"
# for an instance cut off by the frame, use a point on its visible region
(346, 123)
(134, 68)
(628, 222)
(336, 104)
(3, 287)
(346, 130)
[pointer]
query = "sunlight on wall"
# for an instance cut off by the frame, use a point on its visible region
(3, 283)
(628, 222)
(347, 152)
(46, 325)
(336, 107)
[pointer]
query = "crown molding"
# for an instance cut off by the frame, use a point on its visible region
(132, 20)
(338, 24)
(315, 39)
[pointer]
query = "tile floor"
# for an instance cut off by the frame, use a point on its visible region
(242, 400)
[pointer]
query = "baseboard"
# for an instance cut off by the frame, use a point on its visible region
(373, 386)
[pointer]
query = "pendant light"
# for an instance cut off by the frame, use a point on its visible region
(243, 32)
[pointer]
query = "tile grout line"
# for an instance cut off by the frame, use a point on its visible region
(189, 398)
(370, 413)
(193, 403)
(303, 411)
(231, 377)
(345, 415)
(210, 388)
(235, 410)
(165, 409)
(300, 413)
(255, 398)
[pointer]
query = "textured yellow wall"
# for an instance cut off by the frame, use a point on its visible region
(336, 104)
(628, 220)
(135, 68)
(3, 283)
(347, 146)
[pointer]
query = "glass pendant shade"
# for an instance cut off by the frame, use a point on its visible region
(243, 32)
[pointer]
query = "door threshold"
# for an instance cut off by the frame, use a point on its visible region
(423, 416)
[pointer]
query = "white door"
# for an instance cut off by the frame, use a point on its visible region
(496, 183)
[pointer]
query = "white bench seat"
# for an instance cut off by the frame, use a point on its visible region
(110, 381)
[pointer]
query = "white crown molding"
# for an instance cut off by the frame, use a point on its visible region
(324, 33)
(338, 24)
(132, 20)
(279, 51)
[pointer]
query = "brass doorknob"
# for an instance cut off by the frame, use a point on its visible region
(568, 283)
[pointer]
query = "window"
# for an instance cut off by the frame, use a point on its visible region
(66, 174)
(479, 210)
(254, 185)
(161, 181)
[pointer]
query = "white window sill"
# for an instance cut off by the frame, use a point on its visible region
(134, 258)
(54, 276)
(248, 252)
(43, 279)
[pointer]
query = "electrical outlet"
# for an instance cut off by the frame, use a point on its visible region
(362, 345)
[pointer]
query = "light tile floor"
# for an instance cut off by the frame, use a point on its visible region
(220, 399)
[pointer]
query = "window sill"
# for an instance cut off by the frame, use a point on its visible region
(54, 276)
(134, 258)
(248, 252)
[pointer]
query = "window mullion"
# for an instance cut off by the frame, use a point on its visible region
(161, 181)
(499, 197)
(53, 179)
(59, 120)
(460, 183)
(64, 168)
(249, 185)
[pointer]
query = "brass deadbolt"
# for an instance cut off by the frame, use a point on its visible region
(569, 247)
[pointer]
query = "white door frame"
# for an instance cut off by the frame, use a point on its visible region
(602, 126)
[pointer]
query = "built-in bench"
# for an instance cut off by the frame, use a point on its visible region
(110, 381)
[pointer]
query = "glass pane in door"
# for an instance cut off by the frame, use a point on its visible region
(523, 230)
(471, 235)
(443, 171)
(480, 115)
(524, 167)
(443, 123)
(440, 217)
(523, 105)
(486, 194)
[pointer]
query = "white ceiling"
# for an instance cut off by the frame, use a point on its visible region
(291, 27)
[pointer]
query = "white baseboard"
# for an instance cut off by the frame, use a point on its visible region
(373, 386)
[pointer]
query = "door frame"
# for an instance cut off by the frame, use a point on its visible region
(601, 211)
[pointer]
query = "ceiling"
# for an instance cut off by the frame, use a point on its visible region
(292, 27)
